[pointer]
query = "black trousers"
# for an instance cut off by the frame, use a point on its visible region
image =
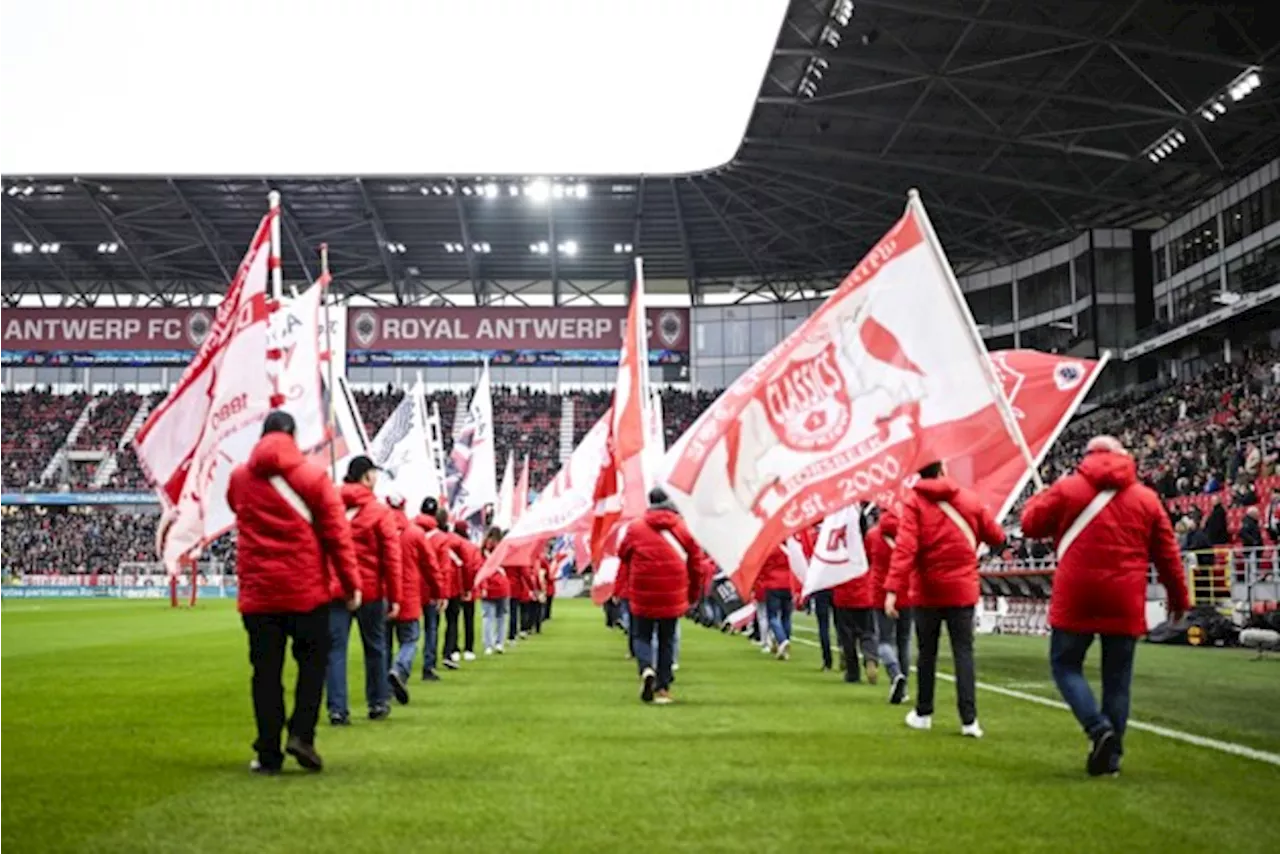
(959, 622)
(516, 609)
(451, 612)
(468, 625)
(661, 659)
(856, 629)
(546, 611)
(530, 616)
(268, 636)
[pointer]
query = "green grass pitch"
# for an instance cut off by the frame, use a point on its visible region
(126, 727)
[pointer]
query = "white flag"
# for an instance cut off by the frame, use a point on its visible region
(504, 510)
(838, 555)
(294, 333)
(886, 376)
(473, 463)
(400, 450)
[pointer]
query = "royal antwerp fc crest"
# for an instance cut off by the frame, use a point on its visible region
(365, 328)
(807, 402)
(198, 324)
(669, 328)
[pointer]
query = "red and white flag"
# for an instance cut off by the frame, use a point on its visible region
(504, 508)
(295, 367)
(838, 554)
(212, 418)
(888, 375)
(520, 500)
(565, 506)
(622, 489)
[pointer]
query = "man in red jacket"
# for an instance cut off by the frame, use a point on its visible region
(894, 634)
(433, 595)
(936, 557)
(1108, 529)
(292, 533)
(660, 566)
(472, 560)
(778, 583)
(378, 552)
(418, 566)
(449, 557)
(855, 602)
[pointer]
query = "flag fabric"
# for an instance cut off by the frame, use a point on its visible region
(520, 496)
(400, 449)
(296, 369)
(622, 488)
(564, 507)
(349, 436)
(212, 418)
(838, 554)
(885, 377)
(472, 481)
(504, 509)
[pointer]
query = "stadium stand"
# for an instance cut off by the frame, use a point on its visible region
(35, 424)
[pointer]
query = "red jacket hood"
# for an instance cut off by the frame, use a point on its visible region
(1108, 470)
(357, 495)
(937, 489)
(889, 523)
(661, 519)
(425, 522)
(275, 453)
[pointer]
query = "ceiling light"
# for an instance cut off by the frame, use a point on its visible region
(1207, 115)
(396, 248)
(28, 190)
(491, 191)
(448, 247)
(466, 189)
(448, 189)
(22, 248)
(557, 191)
(1179, 137)
(513, 190)
(617, 249)
(580, 191)
(537, 190)
(539, 248)
(50, 248)
(569, 247)
(1155, 158)
(108, 248)
(14, 190)
(1219, 107)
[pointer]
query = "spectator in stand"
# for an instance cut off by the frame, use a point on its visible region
(661, 566)
(935, 561)
(1215, 527)
(292, 534)
(1108, 529)
(378, 551)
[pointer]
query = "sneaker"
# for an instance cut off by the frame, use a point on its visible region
(343, 719)
(379, 713)
(873, 672)
(919, 721)
(468, 656)
(898, 694)
(256, 767)
(784, 651)
(523, 636)
(450, 664)
(663, 698)
(675, 666)
(399, 688)
(1103, 755)
(456, 656)
(498, 649)
(488, 650)
(973, 730)
(430, 676)
(766, 649)
(304, 753)
(647, 680)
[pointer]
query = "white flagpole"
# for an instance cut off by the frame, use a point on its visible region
(332, 415)
(1010, 420)
(277, 263)
(1053, 437)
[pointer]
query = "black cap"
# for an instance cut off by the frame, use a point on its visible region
(429, 506)
(279, 421)
(658, 498)
(358, 468)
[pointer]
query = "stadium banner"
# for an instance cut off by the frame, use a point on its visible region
(71, 499)
(508, 336)
(110, 591)
(122, 337)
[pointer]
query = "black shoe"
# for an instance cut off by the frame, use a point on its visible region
(1103, 754)
(899, 691)
(451, 665)
(430, 676)
(853, 678)
(399, 688)
(648, 680)
(379, 713)
(256, 767)
(343, 719)
(826, 666)
(304, 753)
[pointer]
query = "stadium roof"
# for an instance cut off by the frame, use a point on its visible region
(1021, 123)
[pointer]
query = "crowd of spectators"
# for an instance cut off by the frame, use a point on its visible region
(34, 424)
(40, 540)
(107, 423)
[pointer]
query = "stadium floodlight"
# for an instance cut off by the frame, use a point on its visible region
(1179, 137)
(580, 191)
(569, 247)
(557, 191)
(538, 190)
(485, 247)
(14, 190)
(108, 248)
(1155, 158)
(396, 248)
(617, 249)
(539, 248)
(22, 248)
(491, 191)
(448, 247)
(50, 248)
(513, 190)
(448, 189)
(1219, 107)
(1207, 115)
(466, 189)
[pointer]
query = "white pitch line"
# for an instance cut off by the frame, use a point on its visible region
(1230, 747)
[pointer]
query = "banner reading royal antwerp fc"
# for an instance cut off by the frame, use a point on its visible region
(886, 376)
(509, 336)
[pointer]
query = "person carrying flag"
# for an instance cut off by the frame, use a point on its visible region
(472, 560)
(433, 600)
(378, 552)
(494, 593)
(292, 537)
(417, 565)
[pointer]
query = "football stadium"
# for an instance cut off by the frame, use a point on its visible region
(719, 426)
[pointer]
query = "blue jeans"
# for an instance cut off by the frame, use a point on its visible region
(407, 639)
(660, 655)
(675, 643)
(1066, 658)
(494, 618)
(430, 636)
(372, 619)
(895, 641)
(779, 605)
(823, 610)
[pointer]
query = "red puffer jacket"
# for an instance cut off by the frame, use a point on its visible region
(448, 579)
(660, 565)
(933, 548)
(775, 573)
(497, 585)
(284, 558)
(377, 541)
(879, 542)
(419, 567)
(472, 560)
(1100, 585)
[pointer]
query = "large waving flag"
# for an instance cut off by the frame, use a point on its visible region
(295, 371)
(504, 509)
(400, 449)
(520, 496)
(473, 482)
(212, 418)
(622, 489)
(565, 506)
(888, 375)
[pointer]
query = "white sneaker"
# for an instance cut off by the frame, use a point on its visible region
(675, 667)
(468, 656)
(455, 657)
(765, 649)
(488, 650)
(919, 721)
(498, 649)
(973, 730)
(784, 651)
